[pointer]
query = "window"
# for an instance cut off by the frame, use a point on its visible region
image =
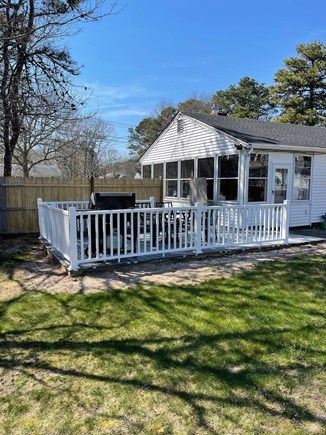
(302, 177)
(171, 179)
(228, 178)
(158, 170)
(147, 171)
(206, 170)
(187, 172)
(258, 177)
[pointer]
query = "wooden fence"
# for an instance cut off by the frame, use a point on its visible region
(18, 196)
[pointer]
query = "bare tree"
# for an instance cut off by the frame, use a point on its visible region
(36, 70)
(41, 139)
(87, 149)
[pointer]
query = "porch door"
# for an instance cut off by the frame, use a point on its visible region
(280, 185)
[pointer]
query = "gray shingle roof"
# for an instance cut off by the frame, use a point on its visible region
(265, 132)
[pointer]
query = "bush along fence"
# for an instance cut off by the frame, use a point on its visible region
(18, 196)
(86, 237)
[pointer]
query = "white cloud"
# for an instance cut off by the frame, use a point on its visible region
(113, 93)
(127, 112)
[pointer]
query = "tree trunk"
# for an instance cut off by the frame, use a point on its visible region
(7, 163)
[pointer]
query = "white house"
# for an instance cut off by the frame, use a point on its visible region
(243, 161)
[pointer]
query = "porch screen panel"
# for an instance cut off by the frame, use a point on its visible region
(228, 177)
(206, 170)
(171, 185)
(187, 172)
(302, 178)
(258, 177)
(147, 171)
(158, 170)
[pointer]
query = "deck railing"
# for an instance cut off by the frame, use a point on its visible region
(84, 236)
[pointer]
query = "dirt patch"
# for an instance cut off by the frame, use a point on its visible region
(35, 270)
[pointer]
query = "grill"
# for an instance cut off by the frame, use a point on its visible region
(112, 200)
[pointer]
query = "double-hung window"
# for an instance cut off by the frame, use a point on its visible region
(228, 177)
(302, 178)
(258, 177)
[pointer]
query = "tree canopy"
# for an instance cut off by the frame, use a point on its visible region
(249, 99)
(300, 87)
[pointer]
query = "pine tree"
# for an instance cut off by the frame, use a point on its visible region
(300, 89)
(249, 99)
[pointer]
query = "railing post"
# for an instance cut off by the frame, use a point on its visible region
(152, 201)
(286, 221)
(198, 229)
(73, 254)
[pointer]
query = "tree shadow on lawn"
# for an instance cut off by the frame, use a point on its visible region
(238, 340)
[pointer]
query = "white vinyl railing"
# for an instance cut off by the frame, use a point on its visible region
(86, 236)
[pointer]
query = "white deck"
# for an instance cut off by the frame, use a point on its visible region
(86, 238)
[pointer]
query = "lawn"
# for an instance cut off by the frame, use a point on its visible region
(243, 355)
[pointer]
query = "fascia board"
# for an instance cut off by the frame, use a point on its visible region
(278, 147)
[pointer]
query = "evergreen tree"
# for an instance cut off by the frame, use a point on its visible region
(249, 99)
(300, 88)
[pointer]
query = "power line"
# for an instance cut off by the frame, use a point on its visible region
(120, 137)
(121, 123)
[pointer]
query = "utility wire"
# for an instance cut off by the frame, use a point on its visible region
(121, 123)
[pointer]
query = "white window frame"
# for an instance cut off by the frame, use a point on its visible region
(231, 201)
(256, 178)
(302, 201)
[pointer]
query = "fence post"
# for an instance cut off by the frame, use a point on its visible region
(3, 206)
(152, 201)
(73, 254)
(198, 229)
(286, 221)
(40, 221)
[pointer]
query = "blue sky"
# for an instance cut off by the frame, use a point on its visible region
(156, 50)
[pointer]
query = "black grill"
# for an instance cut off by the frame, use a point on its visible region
(120, 223)
(112, 200)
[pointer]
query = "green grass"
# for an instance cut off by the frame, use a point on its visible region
(243, 355)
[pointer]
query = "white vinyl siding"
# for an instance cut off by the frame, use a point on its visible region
(196, 141)
(300, 214)
(318, 188)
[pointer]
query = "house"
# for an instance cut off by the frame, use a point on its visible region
(242, 161)
(39, 170)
